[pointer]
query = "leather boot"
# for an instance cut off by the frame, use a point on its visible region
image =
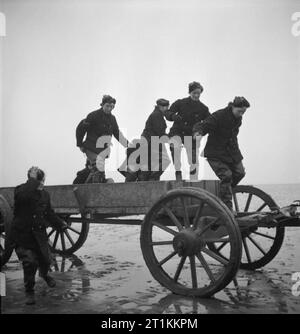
(30, 300)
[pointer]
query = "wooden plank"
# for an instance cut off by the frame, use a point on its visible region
(112, 198)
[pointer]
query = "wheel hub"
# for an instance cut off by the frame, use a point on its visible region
(187, 243)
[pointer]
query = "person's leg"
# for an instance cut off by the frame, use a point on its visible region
(82, 175)
(224, 173)
(175, 148)
(44, 259)
(160, 164)
(193, 158)
(97, 163)
(30, 264)
(238, 173)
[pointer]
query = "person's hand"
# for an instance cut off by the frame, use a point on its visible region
(33, 172)
(82, 149)
(177, 118)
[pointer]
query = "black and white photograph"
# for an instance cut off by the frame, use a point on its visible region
(150, 159)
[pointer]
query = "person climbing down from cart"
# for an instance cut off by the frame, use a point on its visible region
(222, 148)
(99, 125)
(32, 214)
(157, 159)
(185, 113)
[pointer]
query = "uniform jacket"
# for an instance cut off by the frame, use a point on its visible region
(95, 125)
(155, 125)
(191, 113)
(223, 128)
(32, 215)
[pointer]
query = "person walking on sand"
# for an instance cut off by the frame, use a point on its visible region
(32, 214)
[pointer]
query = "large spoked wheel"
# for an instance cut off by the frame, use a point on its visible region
(260, 244)
(6, 217)
(68, 241)
(174, 238)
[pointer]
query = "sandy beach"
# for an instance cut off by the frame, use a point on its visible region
(108, 276)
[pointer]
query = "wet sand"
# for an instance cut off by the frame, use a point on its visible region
(108, 275)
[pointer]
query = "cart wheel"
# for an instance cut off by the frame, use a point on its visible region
(72, 238)
(260, 244)
(174, 237)
(6, 217)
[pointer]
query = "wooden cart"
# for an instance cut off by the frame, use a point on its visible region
(191, 243)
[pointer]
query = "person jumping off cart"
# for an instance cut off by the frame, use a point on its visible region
(185, 113)
(222, 148)
(99, 126)
(32, 214)
(153, 141)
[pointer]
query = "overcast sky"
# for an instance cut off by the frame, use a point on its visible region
(60, 56)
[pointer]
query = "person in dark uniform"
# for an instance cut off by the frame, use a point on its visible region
(222, 148)
(99, 126)
(32, 215)
(185, 113)
(155, 129)
(156, 153)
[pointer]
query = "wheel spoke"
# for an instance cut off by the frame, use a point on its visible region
(221, 246)
(72, 229)
(193, 272)
(215, 256)
(159, 243)
(248, 203)
(185, 213)
(264, 235)
(198, 215)
(55, 239)
(51, 232)
(261, 207)
(247, 250)
(167, 258)
(208, 226)
(179, 268)
(206, 267)
(63, 243)
(257, 245)
(173, 217)
(165, 228)
(69, 237)
(236, 204)
(63, 263)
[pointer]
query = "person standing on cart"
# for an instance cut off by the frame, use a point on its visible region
(185, 113)
(32, 215)
(99, 124)
(152, 144)
(222, 148)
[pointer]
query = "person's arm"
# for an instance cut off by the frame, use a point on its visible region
(209, 125)
(82, 128)
(52, 217)
(118, 134)
(172, 113)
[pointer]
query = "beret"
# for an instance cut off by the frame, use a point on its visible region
(240, 102)
(194, 85)
(163, 102)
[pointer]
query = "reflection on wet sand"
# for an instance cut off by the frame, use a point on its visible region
(109, 276)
